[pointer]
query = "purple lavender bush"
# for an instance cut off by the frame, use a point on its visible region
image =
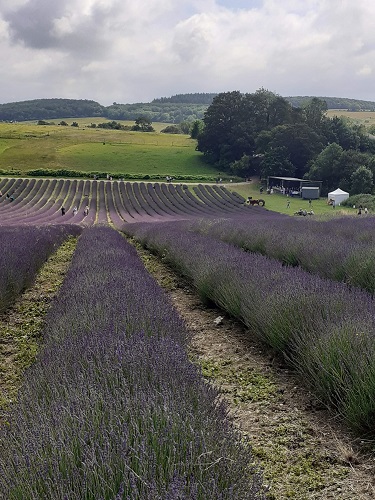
(113, 408)
(341, 250)
(24, 249)
(324, 328)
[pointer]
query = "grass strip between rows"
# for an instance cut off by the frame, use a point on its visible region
(21, 325)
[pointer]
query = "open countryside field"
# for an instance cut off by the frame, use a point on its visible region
(162, 299)
(28, 146)
(366, 118)
(110, 328)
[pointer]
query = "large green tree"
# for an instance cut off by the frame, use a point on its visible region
(362, 181)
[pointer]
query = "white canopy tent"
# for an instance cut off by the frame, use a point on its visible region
(338, 196)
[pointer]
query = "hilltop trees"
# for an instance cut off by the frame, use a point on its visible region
(251, 124)
(263, 134)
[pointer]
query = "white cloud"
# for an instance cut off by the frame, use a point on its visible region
(126, 51)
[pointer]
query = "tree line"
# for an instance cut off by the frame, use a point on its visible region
(263, 134)
(175, 109)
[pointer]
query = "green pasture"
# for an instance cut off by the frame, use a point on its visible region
(146, 158)
(278, 202)
(366, 118)
(27, 146)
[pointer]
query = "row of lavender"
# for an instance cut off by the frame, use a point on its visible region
(340, 249)
(42, 201)
(323, 328)
(113, 408)
(23, 251)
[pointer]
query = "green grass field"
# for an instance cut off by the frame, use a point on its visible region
(366, 118)
(278, 202)
(26, 146)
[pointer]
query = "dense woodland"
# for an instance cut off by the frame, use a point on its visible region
(263, 134)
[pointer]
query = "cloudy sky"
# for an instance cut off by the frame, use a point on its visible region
(135, 50)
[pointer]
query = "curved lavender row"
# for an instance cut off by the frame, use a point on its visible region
(163, 206)
(102, 217)
(317, 247)
(3, 182)
(166, 194)
(72, 216)
(31, 212)
(27, 195)
(217, 199)
(113, 408)
(46, 206)
(325, 329)
(119, 203)
(188, 198)
(168, 191)
(209, 205)
(180, 201)
(23, 251)
(228, 195)
(145, 206)
(113, 214)
(150, 201)
(126, 201)
(20, 189)
(91, 201)
(8, 186)
(20, 201)
(134, 202)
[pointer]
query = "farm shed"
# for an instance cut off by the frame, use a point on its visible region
(310, 193)
(338, 196)
(291, 185)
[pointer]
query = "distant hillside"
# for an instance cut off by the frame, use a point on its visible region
(174, 109)
(48, 109)
(335, 103)
(204, 98)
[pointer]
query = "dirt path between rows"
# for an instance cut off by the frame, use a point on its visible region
(305, 452)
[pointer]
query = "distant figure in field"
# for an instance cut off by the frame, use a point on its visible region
(288, 204)
(74, 210)
(86, 211)
(11, 197)
(62, 210)
(366, 211)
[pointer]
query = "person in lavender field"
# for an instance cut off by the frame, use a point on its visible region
(86, 211)
(62, 210)
(74, 210)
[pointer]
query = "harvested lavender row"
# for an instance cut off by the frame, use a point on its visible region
(325, 329)
(23, 251)
(342, 252)
(113, 408)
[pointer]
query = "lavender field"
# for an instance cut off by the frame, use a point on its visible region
(340, 249)
(23, 251)
(323, 328)
(85, 202)
(113, 408)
